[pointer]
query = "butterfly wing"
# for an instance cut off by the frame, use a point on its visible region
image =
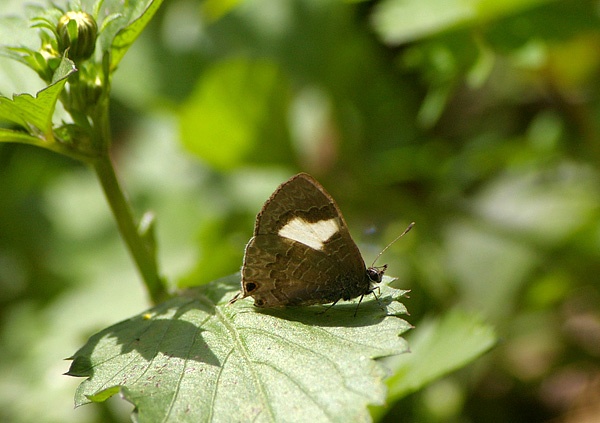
(279, 271)
(302, 252)
(299, 197)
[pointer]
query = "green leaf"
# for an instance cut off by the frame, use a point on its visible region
(438, 347)
(196, 358)
(9, 135)
(21, 137)
(401, 21)
(127, 36)
(36, 112)
(225, 119)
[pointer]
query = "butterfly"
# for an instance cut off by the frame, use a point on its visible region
(302, 252)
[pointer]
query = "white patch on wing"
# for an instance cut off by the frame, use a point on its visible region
(313, 234)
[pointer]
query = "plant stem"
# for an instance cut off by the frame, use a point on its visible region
(142, 251)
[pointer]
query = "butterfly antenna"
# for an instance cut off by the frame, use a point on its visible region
(390, 244)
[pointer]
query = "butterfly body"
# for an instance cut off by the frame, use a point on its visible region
(302, 252)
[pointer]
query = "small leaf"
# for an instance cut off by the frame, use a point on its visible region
(36, 112)
(195, 358)
(127, 36)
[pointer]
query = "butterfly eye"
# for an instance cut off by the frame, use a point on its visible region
(250, 287)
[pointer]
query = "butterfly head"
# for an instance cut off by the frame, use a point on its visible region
(375, 274)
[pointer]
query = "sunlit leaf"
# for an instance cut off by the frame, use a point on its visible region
(196, 358)
(401, 21)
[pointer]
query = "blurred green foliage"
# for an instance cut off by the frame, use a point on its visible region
(480, 123)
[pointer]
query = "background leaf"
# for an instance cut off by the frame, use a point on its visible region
(196, 358)
(401, 21)
(439, 347)
(231, 112)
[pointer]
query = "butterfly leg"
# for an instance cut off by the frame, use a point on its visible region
(377, 297)
(358, 305)
(234, 299)
(372, 291)
(328, 307)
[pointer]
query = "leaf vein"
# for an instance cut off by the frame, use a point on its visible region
(214, 393)
(181, 375)
(241, 347)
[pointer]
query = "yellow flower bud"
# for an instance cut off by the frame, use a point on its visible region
(77, 31)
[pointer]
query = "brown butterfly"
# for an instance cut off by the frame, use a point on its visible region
(302, 252)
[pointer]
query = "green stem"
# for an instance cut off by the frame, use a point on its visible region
(141, 249)
(140, 244)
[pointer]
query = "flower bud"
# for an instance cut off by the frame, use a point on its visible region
(77, 31)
